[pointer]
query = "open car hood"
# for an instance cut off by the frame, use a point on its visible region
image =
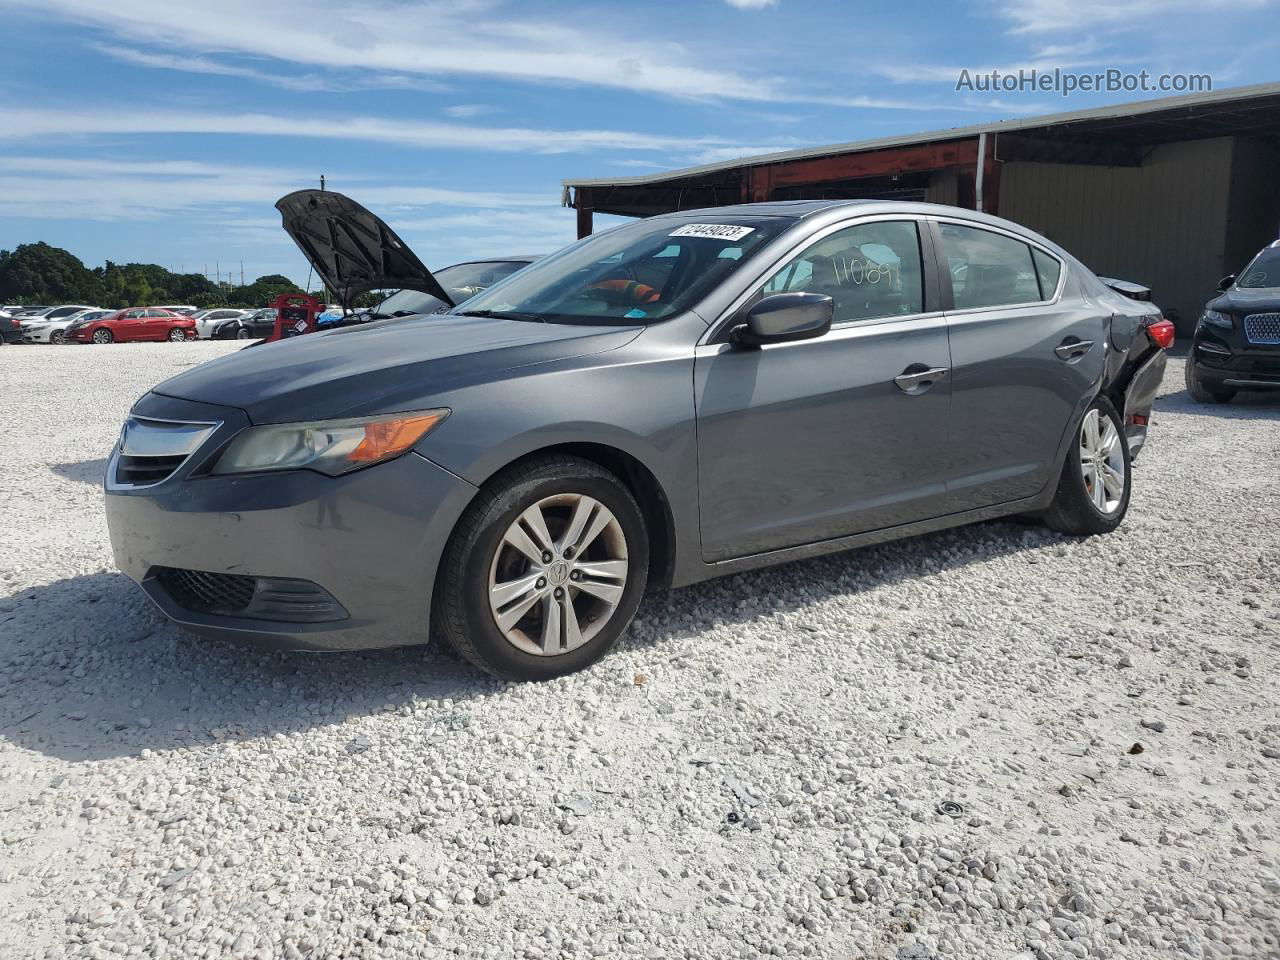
(352, 250)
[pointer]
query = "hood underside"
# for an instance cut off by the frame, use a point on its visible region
(351, 249)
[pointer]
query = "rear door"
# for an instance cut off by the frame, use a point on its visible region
(1027, 355)
(817, 439)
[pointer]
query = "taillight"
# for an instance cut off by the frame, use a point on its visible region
(1162, 332)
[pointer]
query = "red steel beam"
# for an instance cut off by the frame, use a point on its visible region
(855, 166)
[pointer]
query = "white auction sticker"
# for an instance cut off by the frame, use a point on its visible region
(713, 231)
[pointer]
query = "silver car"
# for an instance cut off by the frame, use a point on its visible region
(675, 399)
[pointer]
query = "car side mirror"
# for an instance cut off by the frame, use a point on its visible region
(1226, 282)
(784, 317)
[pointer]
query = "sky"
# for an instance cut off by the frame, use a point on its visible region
(161, 131)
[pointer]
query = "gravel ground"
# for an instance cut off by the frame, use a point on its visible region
(991, 743)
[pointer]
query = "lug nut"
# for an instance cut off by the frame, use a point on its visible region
(546, 556)
(559, 593)
(542, 582)
(575, 575)
(568, 552)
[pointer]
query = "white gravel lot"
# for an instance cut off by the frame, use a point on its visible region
(758, 770)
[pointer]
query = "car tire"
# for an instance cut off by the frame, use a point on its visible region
(102, 335)
(244, 334)
(58, 336)
(1084, 503)
(177, 335)
(480, 559)
(1197, 390)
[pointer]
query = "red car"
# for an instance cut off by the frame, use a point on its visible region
(134, 323)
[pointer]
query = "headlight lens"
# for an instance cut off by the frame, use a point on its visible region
(1215, 319)
(331, 447)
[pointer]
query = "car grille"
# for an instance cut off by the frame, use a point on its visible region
(1262, 327)
(144, 471)
(151, 450)
(208, 592)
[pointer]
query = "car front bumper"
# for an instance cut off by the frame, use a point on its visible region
(30, 335)
(1219, 364)
(370, 540)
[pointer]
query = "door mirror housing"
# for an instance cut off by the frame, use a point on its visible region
(1226, 282)
(784, 317)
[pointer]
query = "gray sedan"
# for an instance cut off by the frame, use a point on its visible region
(678, 398)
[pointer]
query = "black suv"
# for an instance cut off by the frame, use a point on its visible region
(1237, 341)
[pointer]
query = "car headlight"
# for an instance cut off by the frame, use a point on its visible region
(1215, 319)
(331, 447)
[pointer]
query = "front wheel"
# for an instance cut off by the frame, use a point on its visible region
(102, 336)
(177, 335)
(1093, 491)
(545, 570)
(58, 336)
(1198, 391)
(244, 334)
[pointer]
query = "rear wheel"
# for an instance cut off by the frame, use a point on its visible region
(177, 335)
(1199, 391)
(102, 335)
(1093, 491)
(544, 571)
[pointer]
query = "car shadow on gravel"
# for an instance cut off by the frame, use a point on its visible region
(1249, 405)
(90, 670)
(82, 471)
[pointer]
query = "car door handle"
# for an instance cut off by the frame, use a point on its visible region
(1071, 349)
(915, 382)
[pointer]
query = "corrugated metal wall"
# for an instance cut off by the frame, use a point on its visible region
(944, 187)
(1163, 224)
(1253, 214)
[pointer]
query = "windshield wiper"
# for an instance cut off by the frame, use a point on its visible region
(502, 315)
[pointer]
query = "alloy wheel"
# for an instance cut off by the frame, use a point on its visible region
(102, 336)
(176, 335)
(558, 574)
(57, 337)
(1102, 462)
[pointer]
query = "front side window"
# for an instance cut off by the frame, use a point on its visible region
(640, 273)
(1263, 272)
(988, 269)
(870, 270)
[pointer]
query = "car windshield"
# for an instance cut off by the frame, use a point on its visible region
(462, 281)
(640, 272)
(1263, 272)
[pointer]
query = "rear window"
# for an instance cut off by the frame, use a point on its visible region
(1048, 269)
(988, 269)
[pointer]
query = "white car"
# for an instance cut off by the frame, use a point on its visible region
(208, 320)
(50, 324)
(185, 309)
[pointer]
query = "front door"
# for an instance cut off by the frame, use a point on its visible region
(811, 440)
(1024, 354)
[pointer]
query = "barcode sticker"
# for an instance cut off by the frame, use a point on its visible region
(712, 231)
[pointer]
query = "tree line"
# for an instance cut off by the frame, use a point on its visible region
(45, 274)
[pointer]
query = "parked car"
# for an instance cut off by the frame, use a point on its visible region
(208, 320)
(461, 282)
(255, 325)
(10, 330)
(47, 330)
(133, 324)
(681, 397)
(185, 309)
(1236, 345)
(38, 315)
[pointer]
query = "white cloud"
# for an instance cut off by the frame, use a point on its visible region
(300, 82)
(751, 4)
(464, 111)
(1077, 16)
(25, 123)
(399, 39)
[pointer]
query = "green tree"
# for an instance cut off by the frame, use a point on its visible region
(40, 273)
